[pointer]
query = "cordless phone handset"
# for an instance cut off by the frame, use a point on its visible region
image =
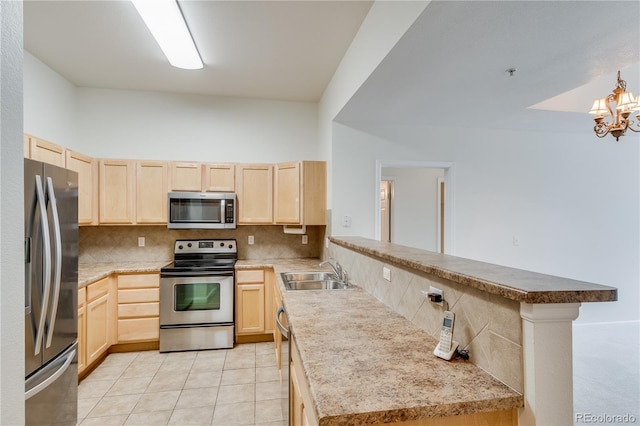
(446, 346)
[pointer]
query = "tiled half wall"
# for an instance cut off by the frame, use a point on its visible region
(488, 326)
(120, 243)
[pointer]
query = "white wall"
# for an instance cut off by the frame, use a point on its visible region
(383, 26)
(11, 217)
(163, 126)
(149, 125)
(572, 200)
(414, 212)
(49, 103)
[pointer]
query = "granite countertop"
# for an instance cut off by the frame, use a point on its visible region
(366, 364)
(91, 272)
(512, 283)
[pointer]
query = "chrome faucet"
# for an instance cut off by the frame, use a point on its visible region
(338, 270)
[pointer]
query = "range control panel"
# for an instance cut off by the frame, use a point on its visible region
(205, 246)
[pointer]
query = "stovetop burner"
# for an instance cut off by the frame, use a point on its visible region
(203, 256)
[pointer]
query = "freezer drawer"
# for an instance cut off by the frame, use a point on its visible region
(51, 393)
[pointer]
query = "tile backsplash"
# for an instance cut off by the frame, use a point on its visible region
(488, 326)
(120, 243)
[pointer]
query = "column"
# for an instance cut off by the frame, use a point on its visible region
(548, 363)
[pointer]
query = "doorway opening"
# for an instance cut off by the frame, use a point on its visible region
(414, 204)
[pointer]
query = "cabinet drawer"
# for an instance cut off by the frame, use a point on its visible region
(134, 310)
(250, 276)
(139, 295)
(98, 289)
(82, 297)
(139, 281)
(138, 329)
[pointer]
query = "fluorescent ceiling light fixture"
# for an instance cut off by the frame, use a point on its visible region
(165, 21)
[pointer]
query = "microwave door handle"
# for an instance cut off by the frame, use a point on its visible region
(46, 263)
(223, 211)
(58, 260)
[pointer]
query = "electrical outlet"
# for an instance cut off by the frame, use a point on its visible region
(346, 221)
(436, 291)
(141, 241)
(250, 242)
(386, 273)
(305, 239)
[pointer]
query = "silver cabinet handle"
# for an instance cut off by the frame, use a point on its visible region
(40, 201)
(58, 260)
(284, 330)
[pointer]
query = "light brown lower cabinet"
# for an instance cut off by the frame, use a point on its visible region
(301, 412)
(82, 329)
(138, 307)
(100, 323)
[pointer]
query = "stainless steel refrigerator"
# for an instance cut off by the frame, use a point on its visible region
(51, 294)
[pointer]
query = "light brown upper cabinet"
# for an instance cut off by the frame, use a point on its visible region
(117, 192)
(254, 187)
(186, 176)
(25, 146)
(300, 193)
(151, 192)
(47, 152)
(219, 177)
(87, 169)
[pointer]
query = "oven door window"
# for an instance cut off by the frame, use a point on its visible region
(197, 297)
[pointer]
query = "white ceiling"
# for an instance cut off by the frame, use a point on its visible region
(449, 69)
(285, 50)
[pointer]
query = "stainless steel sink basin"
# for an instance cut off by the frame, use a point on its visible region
(308, 276)
(315, 285)
(312, 281)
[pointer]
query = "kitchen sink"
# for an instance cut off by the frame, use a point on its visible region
(308, 276)
(312, 281)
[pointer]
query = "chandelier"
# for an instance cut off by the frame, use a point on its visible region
(625, 104)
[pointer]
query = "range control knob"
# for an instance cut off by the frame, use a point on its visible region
(180, 247)
(222, 244)
(189, 245)
(230, 246)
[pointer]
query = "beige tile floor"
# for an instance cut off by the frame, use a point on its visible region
(239, 386)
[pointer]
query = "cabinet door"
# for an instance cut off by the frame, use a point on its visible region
(151, 192)
(82, 329)
(287, 194)
(47, 152)
(250, 308)
(254, 185)
(87, 169)
(269, 301)
(186, 176)
(116, 192)
(219, 177)
(98, 331)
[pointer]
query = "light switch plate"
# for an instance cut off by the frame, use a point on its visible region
(251, 240)
(305, 239)
(386, 273)
(141, 241)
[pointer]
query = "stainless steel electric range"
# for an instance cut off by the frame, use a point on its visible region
(197, 296)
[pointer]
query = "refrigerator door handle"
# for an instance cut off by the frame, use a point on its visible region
(58, 260)
(65, 361)
(46, 263)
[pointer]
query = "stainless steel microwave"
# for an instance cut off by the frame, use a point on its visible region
(201, 210)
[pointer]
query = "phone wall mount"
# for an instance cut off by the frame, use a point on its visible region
(443, 353)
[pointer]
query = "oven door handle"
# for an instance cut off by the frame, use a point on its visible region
(196, 274)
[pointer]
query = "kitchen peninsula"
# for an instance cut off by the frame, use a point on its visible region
(516, 324)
